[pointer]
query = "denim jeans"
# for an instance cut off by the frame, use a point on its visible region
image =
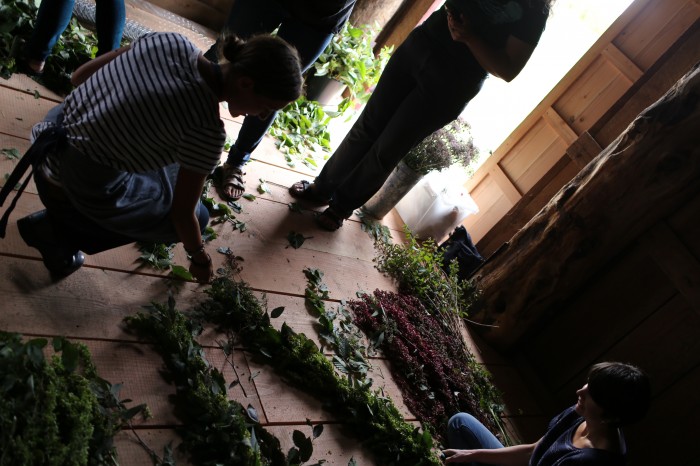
(464, 432)
(53, 18)
(419, 92)
(248, 17)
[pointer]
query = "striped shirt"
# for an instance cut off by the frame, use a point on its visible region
(148, 108)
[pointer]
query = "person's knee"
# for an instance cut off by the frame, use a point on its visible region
(459, 421)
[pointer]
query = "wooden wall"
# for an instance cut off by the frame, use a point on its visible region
(642, 54)
(643, 307)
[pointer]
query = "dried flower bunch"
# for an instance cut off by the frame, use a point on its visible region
(450, 144)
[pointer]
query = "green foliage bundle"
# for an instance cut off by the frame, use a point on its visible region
(373, 418)
(217, 430)
(76, 45)
(56, 411)
(301, 129)
(349, 58)
(416, 268)
(451, 144)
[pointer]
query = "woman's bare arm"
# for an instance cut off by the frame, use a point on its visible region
(81, 75)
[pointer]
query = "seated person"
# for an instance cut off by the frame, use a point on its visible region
(615, 395)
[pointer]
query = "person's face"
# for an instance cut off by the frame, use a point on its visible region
(243, 100)
(586, 407)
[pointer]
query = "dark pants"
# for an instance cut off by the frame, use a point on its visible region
(53, 18)
(419, 92)
(248, 17)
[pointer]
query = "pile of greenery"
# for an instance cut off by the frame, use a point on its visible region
(417, 269)
(420, 334)
(301, 131)
(76, 45)
(372, 418)
(56, 411)
(349, 58)
(436, 376)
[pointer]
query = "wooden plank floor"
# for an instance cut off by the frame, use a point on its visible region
(89, 305)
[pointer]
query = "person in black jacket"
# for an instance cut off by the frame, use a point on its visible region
(426, 84)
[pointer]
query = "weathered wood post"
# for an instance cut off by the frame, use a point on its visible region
(645, 174)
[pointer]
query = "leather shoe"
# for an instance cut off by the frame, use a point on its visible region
(37, 232)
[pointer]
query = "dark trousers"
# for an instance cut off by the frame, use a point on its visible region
(248, 17)
(419, 92)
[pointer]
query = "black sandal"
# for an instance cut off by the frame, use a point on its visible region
(330, 219)
(306, 191)
(225, 175)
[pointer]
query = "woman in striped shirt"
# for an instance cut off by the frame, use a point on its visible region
(130, 148)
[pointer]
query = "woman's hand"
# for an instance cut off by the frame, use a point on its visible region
(459, 456)
(201, 267)
(460, 27)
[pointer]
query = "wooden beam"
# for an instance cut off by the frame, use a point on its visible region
(677, 262)
(403, 22)
(584, 149)
(507, 186)
(561, 127)
(622, 62)
(648, 172)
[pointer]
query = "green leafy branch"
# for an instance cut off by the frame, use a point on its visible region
(372, 417)
(57, 411)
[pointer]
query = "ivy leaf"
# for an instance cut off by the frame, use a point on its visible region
(352, 462)
(36, 94)
(180, 272)
(224, 250)
(303, 443)
(295, 239)
(294, 207)
(249, 197)
(235, 206)
(252, 414)
(11, 153)
(317, 430)
(263, 187)
(276, 312)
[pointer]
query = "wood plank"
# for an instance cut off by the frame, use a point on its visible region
(686, 225)
(531, 203)
(675, 62)
(665, 345)
(622, 62)
(130, 452)
(26, 85)
(584, 149)
(284, 404)
(20, 111)
(266, 268)
(333, 447)
(510, 191)
(610, 301)
(677, 417)
(671, 255)
(565, 132)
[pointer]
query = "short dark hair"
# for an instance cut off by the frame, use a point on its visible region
(272, 64)
(622, 390)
